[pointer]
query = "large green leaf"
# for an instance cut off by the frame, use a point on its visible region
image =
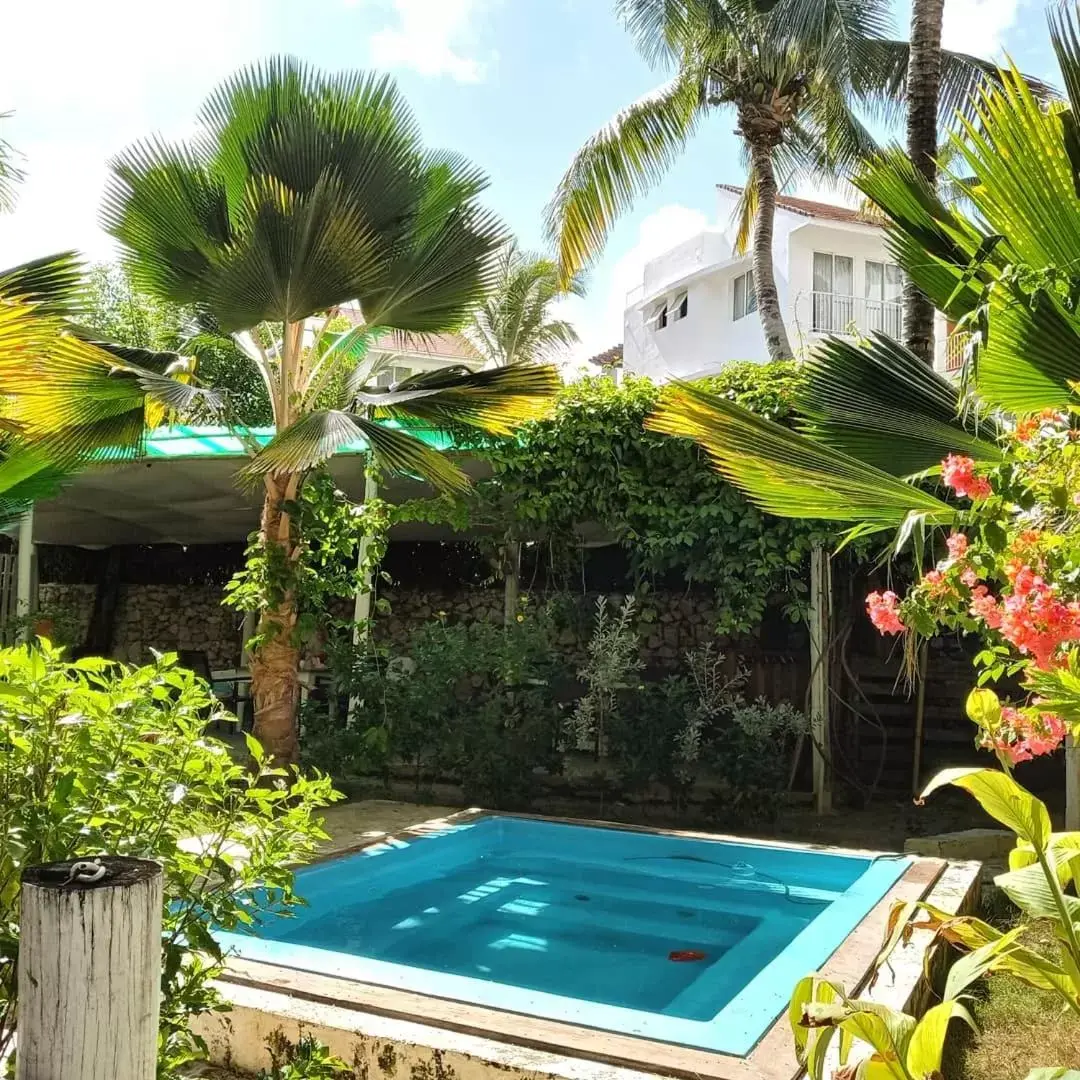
(879, 403)
(927, 1044)
(1030, 890)
(788, 473)
(972, 967)
(1003, 799)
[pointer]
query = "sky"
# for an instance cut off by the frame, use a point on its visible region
(515, 85)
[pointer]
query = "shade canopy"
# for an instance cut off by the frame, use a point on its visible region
(185, 491)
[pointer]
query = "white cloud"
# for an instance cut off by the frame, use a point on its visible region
(977, 26)
(112, 72)
(599, 316)
(430, 37)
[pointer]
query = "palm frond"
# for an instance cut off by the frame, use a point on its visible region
(1032, 357)
(621, 162)
(880, 404)
(788, 473)
(317, 436)
(495, 401)
(52, 284)
(10, 173)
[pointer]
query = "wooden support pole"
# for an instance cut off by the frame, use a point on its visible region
(24, 573)
(1072, 785)
(362, 601)
(820, 618)
(89, 970)
(920, 719)
(511, 579)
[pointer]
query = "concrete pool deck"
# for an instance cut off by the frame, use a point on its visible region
(391, 1034)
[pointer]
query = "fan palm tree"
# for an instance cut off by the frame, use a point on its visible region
(791, 72)
(515, 324)
(876, 420)
(301, 192)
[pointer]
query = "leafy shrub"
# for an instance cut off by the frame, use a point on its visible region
(103, 758)
(467, 702)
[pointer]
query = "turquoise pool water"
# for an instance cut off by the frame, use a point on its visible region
(696, 942)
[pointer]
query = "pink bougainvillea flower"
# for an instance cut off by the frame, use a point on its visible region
(957, 544)
(1019, 736)
(884, 611)
(958, 472)
(985, 606)
(969, 578)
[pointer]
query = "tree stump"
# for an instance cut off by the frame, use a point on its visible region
(89, 971)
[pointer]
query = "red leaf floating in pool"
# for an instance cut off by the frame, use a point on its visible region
(685, 956)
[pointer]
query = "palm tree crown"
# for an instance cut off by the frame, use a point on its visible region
(515, 324)
(792, 72)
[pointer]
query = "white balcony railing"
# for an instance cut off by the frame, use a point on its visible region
(957, 350)
(832, 313)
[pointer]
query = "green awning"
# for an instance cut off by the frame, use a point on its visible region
(201, 442)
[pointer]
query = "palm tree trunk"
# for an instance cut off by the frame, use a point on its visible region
(275, 663)
(923, 92)
(768, 301)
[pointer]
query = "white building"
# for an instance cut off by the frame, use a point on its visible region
(695, 310)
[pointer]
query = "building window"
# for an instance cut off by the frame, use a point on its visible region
(833, 298)
(391, 376)
(745, 295)
(884, 298)
(669, 311)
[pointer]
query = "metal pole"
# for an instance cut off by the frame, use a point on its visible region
(1072, 785)
(820, 605)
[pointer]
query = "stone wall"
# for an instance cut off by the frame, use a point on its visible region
(162, 617)
(168, 617)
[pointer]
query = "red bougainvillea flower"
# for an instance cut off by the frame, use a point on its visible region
(1026, 428)
(884, 611)
(958, 473)
(957, 544)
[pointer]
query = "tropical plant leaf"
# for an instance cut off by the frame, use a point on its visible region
(927, 1044)
(1003, 799)
(972, 967)
(496, 401)
(52, 284)
(1029, 889)
(317, 436)
(788, 473)
(879, 403)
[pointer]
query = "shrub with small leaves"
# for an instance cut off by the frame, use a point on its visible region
(101, 758)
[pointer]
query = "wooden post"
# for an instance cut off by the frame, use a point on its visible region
(1072, 785)
(24, 580)
(920, 719)
(362, 601)
(820, 613)
(511, 579)
(89, 970)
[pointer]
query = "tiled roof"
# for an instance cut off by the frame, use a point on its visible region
(810, 208)
(609, 357)
(437, 346)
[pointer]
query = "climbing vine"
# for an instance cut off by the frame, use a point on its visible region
(658, 498)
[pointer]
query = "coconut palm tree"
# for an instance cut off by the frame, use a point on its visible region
(792, 73)
(301, 192)
(515, 324)
(875, 419)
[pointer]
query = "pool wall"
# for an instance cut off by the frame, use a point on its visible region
(427, 1036)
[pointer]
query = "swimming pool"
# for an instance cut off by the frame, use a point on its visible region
(668, 937)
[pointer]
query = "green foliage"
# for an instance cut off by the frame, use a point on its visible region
(470, 702)
(323, 565)
(900, 1047)
(306, 1059)
(116, 311)
(104, 758)
(658, 498)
